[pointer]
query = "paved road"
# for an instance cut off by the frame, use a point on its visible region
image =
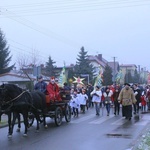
(87, 132)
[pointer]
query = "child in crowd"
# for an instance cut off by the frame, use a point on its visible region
(143, 102)
(75, 104)
(83, 100)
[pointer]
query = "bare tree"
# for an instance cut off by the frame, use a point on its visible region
(22, 60)
(32, 59)
(35, 57)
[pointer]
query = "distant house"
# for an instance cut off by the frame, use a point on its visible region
(98, 61)
(126, 68)
(17, 77)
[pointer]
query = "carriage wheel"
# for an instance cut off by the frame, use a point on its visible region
(68, 113)
(58, 116)
(30, 119)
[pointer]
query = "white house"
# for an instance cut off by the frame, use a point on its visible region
(17, 77)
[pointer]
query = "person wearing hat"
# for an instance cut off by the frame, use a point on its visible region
(127, 98)
(53, 90)
(40, 85)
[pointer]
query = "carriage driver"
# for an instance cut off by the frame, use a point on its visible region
(53, 90)
(40, 85)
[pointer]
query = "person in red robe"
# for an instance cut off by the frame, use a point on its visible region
(53, 90)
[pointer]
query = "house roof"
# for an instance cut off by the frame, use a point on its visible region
(102, 62)
(15, 76)
(128, 65)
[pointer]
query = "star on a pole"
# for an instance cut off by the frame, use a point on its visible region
(78, 80)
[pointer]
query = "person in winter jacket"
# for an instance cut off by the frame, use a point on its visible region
(137, 93)
(116, 102)
(107, 99)
(148, 97)
(40, 85)
(127, 99)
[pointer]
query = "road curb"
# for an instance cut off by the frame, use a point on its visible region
(140, 137)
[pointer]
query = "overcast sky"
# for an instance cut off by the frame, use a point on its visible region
(59, 28)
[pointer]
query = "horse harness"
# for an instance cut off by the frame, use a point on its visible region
(10, 103)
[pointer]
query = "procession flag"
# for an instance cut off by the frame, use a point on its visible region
(99, 78)
(62, 78)
(119, 76)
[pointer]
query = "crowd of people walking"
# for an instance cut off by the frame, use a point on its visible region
(130, 99)
(133, 99)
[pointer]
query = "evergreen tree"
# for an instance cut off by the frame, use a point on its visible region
(136, 77)
(128, 77)
(50, 68)
(107, 76)
(4, 55)
(83, 66)
(70, 75)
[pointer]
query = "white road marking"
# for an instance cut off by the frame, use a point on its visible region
(120, 121)
(78, 120)
(101, 119)
(144, 120)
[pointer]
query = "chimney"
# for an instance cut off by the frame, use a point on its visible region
(99, 57)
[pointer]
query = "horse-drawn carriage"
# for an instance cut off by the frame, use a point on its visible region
(32, 105)
(56, 109)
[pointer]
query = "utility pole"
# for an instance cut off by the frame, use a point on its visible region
(114, 72)
(139, 73)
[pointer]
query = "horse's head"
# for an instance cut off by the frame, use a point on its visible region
(8, 92)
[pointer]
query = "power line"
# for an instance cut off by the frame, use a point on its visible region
(39, 29)
(43, 31)
(71, 3)
(79, 7)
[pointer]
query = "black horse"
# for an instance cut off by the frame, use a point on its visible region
(15, 100)
(9, 117)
